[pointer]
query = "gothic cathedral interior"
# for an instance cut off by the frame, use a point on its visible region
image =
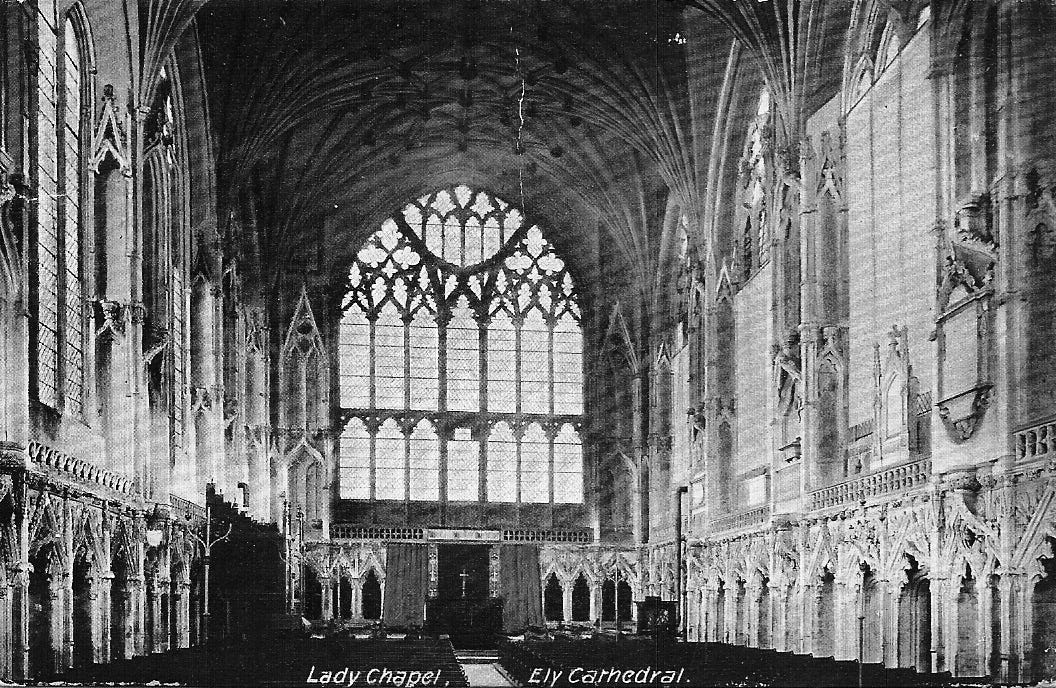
(400, 311)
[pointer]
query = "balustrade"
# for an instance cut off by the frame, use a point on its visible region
(741, 520)
(79, 468)
(1036, 442)
(891, 480)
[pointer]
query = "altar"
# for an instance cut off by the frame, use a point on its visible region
(469, 585)
(464, 606)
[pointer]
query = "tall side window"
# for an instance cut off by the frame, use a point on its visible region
(60, 316)
(48, 258)
(461, 343)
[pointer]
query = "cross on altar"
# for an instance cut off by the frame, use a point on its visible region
(464, 576)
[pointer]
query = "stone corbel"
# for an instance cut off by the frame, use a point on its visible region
(974, 221)
(962, 412)
(111, 318)
(232, 411)
(201, 400)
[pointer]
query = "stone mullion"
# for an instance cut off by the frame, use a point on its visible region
(552, 463)
(441, 400)
(517, 326)
(406, 430)
(482, 364)
(482, 463)
(373, 320)
(407, 405)
(443, 435)
(553, 410)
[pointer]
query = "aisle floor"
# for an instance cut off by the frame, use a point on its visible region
(485, 676)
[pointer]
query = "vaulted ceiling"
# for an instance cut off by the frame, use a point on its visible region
(329, 115)
(334, 114)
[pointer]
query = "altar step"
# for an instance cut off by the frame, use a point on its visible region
(477, 656)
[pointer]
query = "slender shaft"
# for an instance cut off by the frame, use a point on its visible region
(205, 599)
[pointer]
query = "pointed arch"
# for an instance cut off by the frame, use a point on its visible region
(460, 317)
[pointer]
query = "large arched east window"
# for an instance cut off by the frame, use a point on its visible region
(60, 131)
(461, 359)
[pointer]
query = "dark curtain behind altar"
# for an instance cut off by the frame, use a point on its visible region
(406, 583)
(519, 574)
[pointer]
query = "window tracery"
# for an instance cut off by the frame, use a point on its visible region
(460, 335)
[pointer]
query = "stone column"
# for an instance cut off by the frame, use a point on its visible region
(182, 600)
(129, 609)
(95, 598)
(595, 602)
(889, 619)
(778, 617)
(6, 648)
(1008, 668)
(984, 619)
(731, 627)
(809, 616)
(754, 617)
(135, 611)
(326, 587)
(20, 621)
(65, 659)
(152, 612)
(940, 625)
(1024, 629)
(566, 600)
(357, 599)
(57, 615)
(708, 610)
(846, 636)
(106, 583)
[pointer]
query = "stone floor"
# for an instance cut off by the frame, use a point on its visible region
(300, 661)
(485, 676)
